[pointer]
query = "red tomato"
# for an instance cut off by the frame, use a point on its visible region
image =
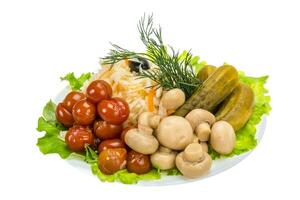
(77, 137)
(112, 160)
(84, 112)
(64, 116)
(114, 111)
(110, 144)
(98, 90)
(138, 163)
(105, 130)
(72, 98)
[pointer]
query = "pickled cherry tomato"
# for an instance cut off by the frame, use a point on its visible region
(77, 137)
(112, 160)
(72, 98)
(84, 112)
(110, 144)
(98, 90)
(114, 110)
(138, 163)
(105, 130)
(64, 116)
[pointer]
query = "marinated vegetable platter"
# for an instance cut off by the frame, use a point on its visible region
(144, 116)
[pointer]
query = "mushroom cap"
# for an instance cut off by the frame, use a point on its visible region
(222, 138)
(193, 169)
(203, 131)
(193, 152)
(173, 99)
(197, 116)
(163, 159)
(145, 129)
(174, 132)
(141, 142)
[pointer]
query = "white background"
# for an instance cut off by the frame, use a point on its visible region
(42, 40)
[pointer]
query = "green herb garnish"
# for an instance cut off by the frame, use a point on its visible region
(174, 70)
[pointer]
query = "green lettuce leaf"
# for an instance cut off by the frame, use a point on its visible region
(51, 142)
(245, 137)
(173, 172)
(195, 61)
(76, 83)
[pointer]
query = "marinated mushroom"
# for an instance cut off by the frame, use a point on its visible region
(197, 116)
(173, 99)
(201, 121)
(193, 161)
(147, 121)
(222, 137)
(144, 118)
(145, 129)
(163, 159)
(140, 141)
(174, 132)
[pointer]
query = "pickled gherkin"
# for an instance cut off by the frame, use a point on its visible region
(213, 91)
(205, 72)
(237, 108)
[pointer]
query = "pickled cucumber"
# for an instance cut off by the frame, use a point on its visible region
(237, 108)
(213, 91)
(205, 72)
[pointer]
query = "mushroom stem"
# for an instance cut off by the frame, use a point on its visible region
(203, 131)
(204, 146)
(154, 121)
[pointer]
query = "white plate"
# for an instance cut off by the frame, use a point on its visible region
(217, 166)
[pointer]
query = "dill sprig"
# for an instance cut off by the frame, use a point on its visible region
(172, 71)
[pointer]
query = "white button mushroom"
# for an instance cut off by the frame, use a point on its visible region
(141, 142)
(193, 161)
(144, 118)
(222, 137)
(163, 159)
(174, 132)
(149, 119)
(201, 121)
(173, 99)
(197, 116)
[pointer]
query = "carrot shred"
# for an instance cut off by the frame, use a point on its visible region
(126, 62)
(169, 112)
(150, 99)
